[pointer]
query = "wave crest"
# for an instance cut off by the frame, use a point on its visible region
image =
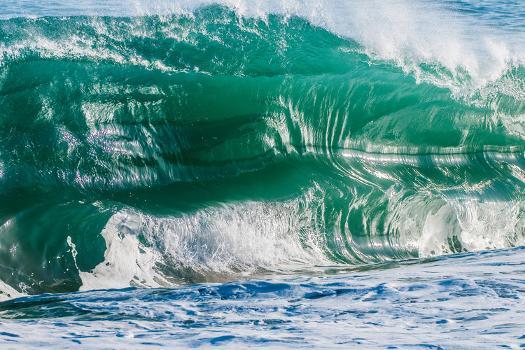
(199, 146)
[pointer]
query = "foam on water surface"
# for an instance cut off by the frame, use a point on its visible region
(273, 173)
(457, 302)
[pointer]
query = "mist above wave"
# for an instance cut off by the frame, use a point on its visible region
(458, 45)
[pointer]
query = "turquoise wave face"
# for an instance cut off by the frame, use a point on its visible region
(205, 145)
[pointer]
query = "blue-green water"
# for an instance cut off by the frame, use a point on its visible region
(291, 173)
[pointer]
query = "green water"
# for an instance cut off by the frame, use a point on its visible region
(173, 116)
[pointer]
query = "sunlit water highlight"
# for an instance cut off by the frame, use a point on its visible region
(277, 173)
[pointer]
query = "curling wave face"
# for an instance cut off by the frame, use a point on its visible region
(215, 142)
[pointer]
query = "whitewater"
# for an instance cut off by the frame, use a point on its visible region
(230, 173)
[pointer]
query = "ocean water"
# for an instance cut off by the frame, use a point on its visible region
(275, 174)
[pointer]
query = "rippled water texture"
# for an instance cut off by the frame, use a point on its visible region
(344, 161)
(451, 303)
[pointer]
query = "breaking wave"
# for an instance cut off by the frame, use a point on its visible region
(217, 141)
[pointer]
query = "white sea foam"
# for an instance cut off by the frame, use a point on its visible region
(434, 226)
(475, 225)
(465, 53)
(413, 34)
(231, 239)
(127, 261)
(8, 292)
